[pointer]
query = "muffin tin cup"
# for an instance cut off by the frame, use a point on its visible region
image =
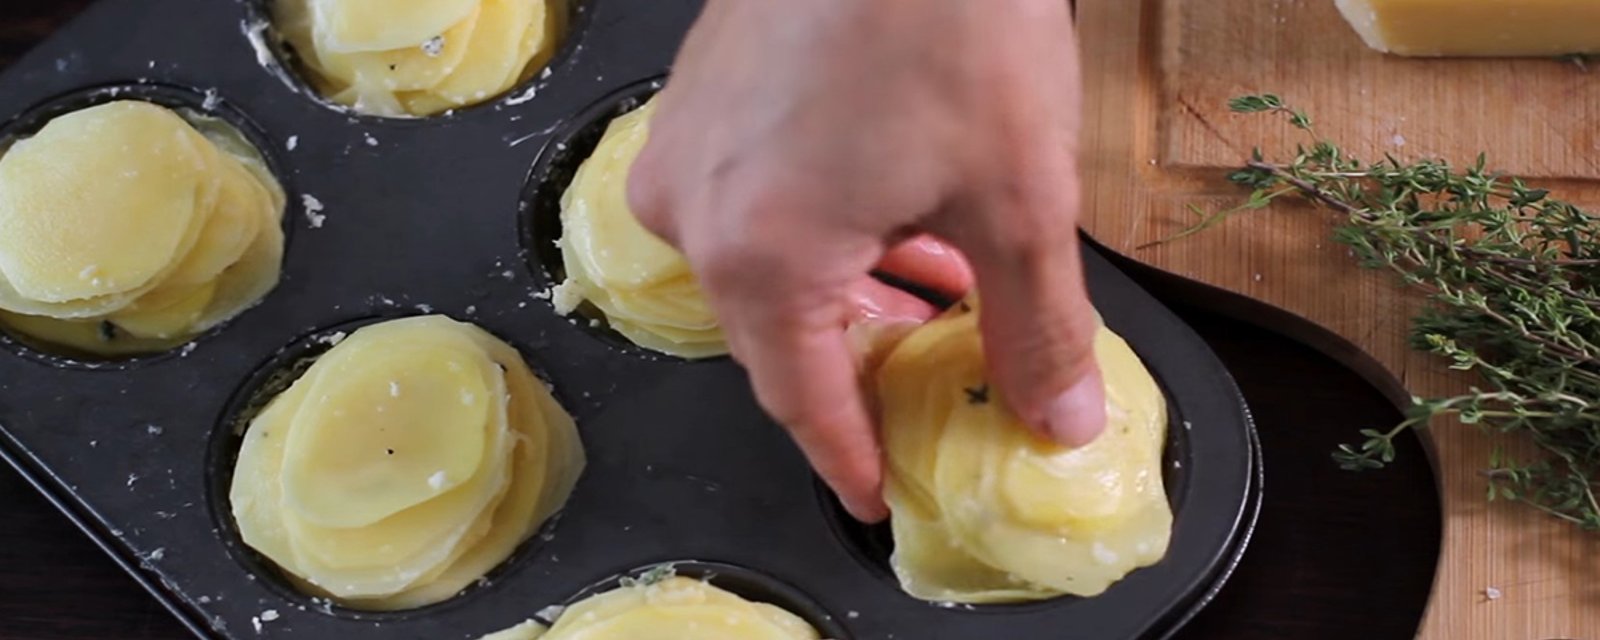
(442, 215)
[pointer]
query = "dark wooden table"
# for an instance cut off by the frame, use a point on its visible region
(1337, 555)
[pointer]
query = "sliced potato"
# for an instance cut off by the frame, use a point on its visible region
(387, 430)
(674, 609)
(234, 222)
(493, 58)
(642, 285)
(406, 69)
(406, 463)
(346, 26)
(167, 313)
(419, 59)
(98, 202)
(178, 215)
(984, 510)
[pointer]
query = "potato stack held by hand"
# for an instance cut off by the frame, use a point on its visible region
(984, 510)
(130, 229)
(419, 57)
(405, 464)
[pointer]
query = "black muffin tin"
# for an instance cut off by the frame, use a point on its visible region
(456, 215)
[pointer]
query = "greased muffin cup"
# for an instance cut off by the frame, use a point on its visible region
(454, 214)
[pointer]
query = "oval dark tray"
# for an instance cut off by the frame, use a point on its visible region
(453, 215)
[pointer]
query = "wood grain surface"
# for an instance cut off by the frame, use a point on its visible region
(1335, 556)
(1159, 138)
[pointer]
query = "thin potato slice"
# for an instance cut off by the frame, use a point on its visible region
(540, 41)
(279, 536)
(389, 425)
(347, 26)
(95, 338)
(674, 306)
(642, 285)
(371, 99)
(167, 313)
(406, 69)
(687, 344)
(397, 415)
(248, 281)
(492, 59)
(528, 630)
(234, 222)
(256, 493)
(231, 201)
(599, 226)
(98, 307)
(985, 511)
(547, 459)
(381, 538)
(674, 609)
(98, 202)
(678, 304)
(423, 102)
(419, 59)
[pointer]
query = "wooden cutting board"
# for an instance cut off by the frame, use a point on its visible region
(1159, 137)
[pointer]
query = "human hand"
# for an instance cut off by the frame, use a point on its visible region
(798, 141)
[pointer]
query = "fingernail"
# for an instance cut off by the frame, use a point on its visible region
(873, 514)
(1078, 416)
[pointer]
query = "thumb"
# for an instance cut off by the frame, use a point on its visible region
(1037, 321)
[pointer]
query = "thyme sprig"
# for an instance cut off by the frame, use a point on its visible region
(1512, 277)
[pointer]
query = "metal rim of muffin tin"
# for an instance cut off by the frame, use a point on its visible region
(222, 370)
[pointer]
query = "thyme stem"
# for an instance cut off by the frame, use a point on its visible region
(1511, 277)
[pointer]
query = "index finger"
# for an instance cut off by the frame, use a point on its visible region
(804, 376)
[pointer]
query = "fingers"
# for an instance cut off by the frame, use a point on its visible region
(931, 263)
(874, 301)
(805, 377)
(647, 193)
(883, 315)
(1037, 321)
(784, 293)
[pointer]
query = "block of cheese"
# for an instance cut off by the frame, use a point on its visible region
(1476, 28)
